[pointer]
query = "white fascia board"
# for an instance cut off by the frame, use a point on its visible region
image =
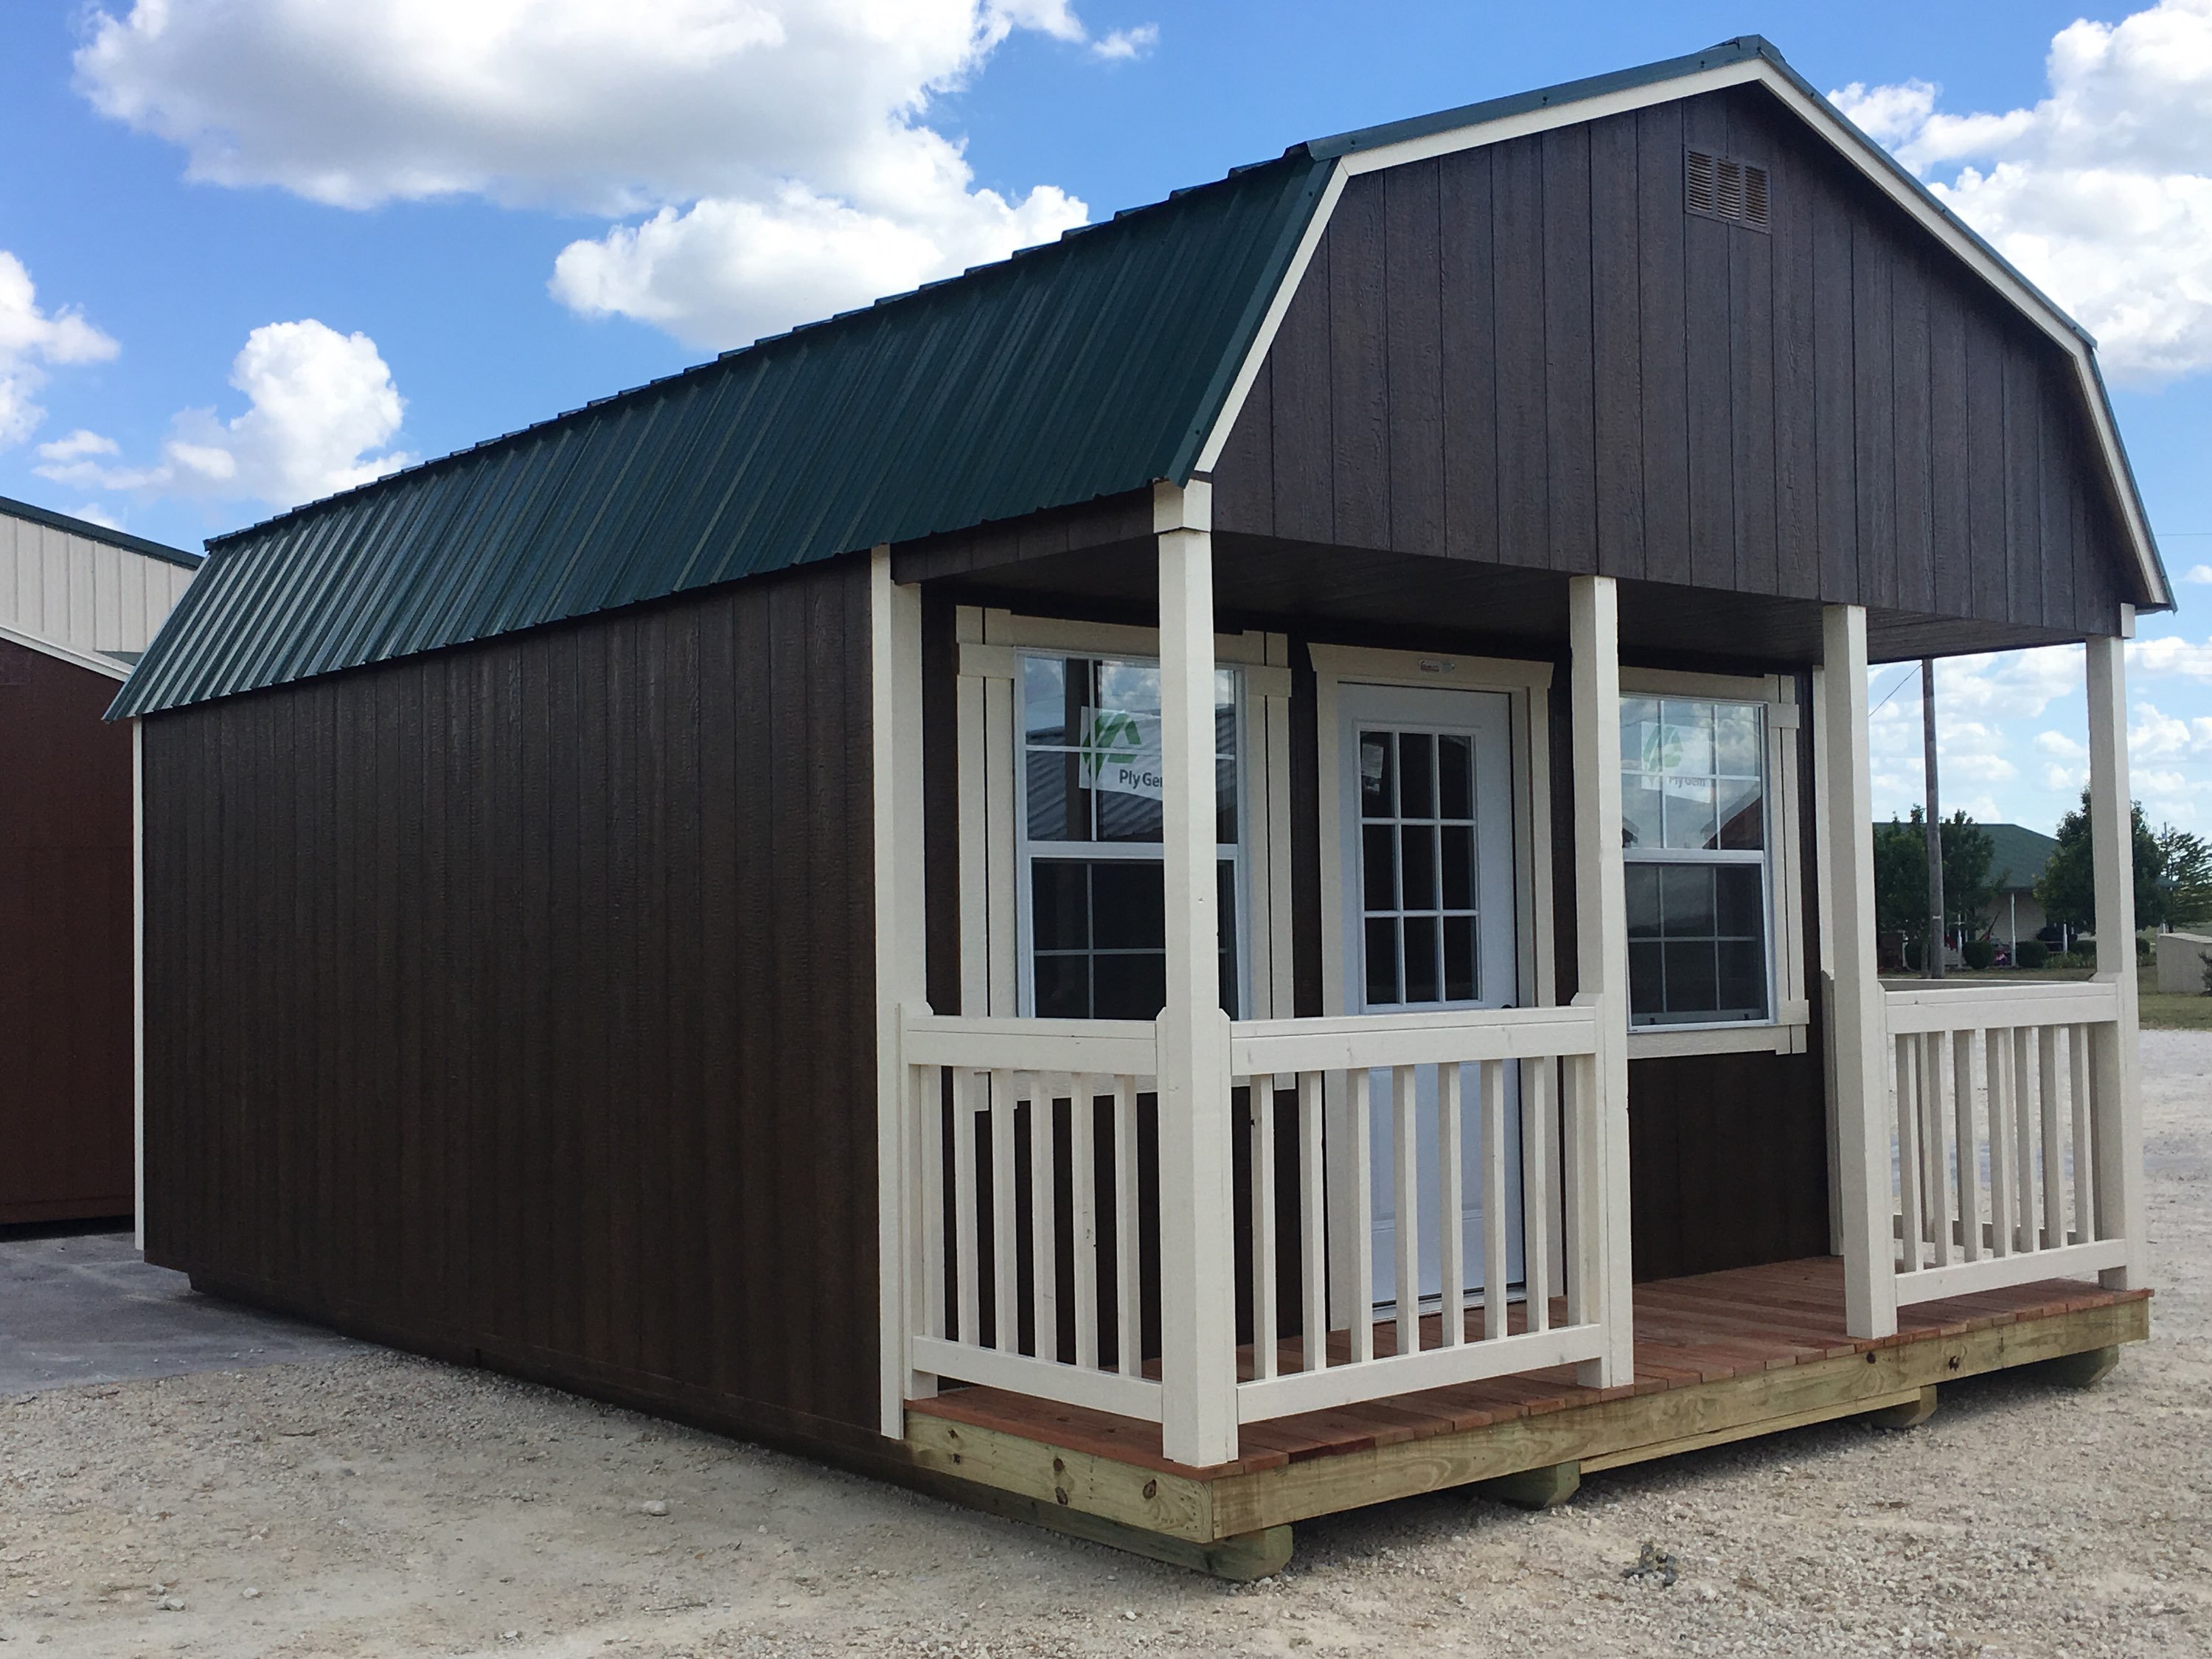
(1209, 455)
(1871, 160)
(67, 654)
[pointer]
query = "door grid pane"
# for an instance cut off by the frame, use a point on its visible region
(1418, 867)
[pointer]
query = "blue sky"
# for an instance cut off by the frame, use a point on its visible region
(253, 251)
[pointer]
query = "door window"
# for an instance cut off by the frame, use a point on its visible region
(1419, 873)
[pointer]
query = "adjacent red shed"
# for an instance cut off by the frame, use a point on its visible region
(78, 603)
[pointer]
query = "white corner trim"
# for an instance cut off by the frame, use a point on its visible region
(67, 654)
(1873, 163)
(1183, 507)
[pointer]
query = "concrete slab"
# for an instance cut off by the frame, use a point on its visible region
(83, 1308)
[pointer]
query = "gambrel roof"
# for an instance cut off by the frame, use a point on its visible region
(1087, 367)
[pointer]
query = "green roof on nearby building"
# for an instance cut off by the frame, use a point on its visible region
(2018, 854)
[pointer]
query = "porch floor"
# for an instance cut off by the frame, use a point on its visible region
(1719, 1357)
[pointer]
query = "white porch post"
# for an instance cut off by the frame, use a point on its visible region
(895, 672)
(1863, 1137)
(1197, 1296)
(2112, 834)
(1602, 959)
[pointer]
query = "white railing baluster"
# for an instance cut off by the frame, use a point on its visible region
(2023, 1124)
(1583, 1181)
(2003, 1190)
(1005, 1317)
(1262, 1096)
(1538, 1196)
(1360, 1176)
(969, 1097)
(1044, 1237)
(1908, 1156)
(925, 1096)
(1969, 1186)
(1935, 1180)
(1406, 1185)
(1451, 1208)
(1083, 1191)
(2053, 1149)
(1496, 1266)
(1128, 1234)
(2085, 1184)
(1313, 1219)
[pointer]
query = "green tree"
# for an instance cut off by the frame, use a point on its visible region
(1900, 874)
(2067, 889)
(2185, 882)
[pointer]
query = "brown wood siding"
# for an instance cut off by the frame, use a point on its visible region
(515, 1003)
(65, 1022)
(1529, 354)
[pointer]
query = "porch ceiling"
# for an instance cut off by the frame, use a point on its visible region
(1356, 595)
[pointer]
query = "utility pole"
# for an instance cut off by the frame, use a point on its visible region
(1932, 962)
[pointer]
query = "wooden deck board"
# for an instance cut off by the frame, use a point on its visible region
(1699, 1331)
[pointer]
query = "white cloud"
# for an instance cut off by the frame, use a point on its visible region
(2170, 654)
(2199, 574)
(1123, 44)
(92, 513)
(2065, 748)
(2102, 192)
(78, 445)
(322, 407)
(774, 155)
(2158, 736)
(31, 339)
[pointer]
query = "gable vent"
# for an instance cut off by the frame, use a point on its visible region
(1720, 187)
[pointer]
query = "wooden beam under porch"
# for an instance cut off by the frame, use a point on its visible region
(1719, 1357)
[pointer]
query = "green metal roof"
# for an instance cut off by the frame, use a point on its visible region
(1084, 367)
(2017, 854)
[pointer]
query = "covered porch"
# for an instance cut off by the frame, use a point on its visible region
(1174, 1246)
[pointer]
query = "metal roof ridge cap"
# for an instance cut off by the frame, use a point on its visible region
(69, 525)
(1741, 49)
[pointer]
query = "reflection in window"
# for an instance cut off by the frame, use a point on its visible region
(1694, 835)
(1091, 843)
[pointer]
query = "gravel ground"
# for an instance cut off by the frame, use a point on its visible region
(379, 1504)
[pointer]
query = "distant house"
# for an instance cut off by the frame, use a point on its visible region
(78, 604)
(2018, 856)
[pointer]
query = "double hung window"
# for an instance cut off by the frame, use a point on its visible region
(1695, 838)
(1088, 842)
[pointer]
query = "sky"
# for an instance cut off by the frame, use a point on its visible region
(255, 251)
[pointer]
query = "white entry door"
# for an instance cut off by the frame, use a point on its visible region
(1426, 796)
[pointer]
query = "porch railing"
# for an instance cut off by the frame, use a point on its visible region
(1031, 1179)
(2000, 1122)
(1035, 1222)
(1475, 1071)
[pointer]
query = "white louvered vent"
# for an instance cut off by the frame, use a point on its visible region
(1721, 187)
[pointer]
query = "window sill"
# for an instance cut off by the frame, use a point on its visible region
(1781, 1037)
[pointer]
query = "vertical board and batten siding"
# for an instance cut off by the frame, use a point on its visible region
(85, 594)
(65, 1137)
(514, 1003)
(1531, 354)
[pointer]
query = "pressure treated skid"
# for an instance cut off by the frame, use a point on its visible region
(1721, 1356)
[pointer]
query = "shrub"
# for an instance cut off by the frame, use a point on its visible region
(2033, 953)
(1978, 953)
(2142, 950)
(1912, 955)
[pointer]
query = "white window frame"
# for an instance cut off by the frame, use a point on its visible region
(1027, 849)
(1787, 1030)
(994, 935)
(1526, 685)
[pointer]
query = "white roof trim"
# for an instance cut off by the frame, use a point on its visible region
(1817, 113)
(67, 654)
